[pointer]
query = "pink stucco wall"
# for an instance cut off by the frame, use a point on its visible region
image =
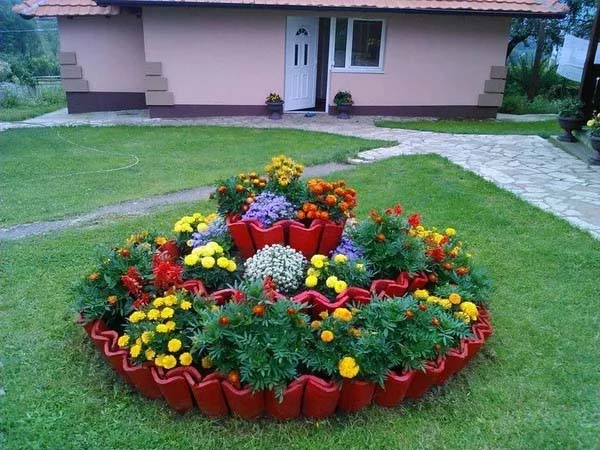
(217, 56)
(431, 60)
(236, 56)
(109, 50)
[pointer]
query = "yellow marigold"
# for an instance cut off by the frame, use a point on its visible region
(153, 314)
(170, 300)
(190, 243)
(348, 367)
(231, 266)
(149, 354)
(135, 350)
(462, 316)
(202, 227)
(445, 303)
(330, 281)
(342, 314)
(158, 302)
(111, 299)
(315, 324)
(169, 361)
(174, 345)
(450, 232)
(327, 336)
(421, 294)
(433, 299)
(208, 262)
(360, 266)
(185, 359)
(160, 240)
(311, 281)
(167, 313)
(206, 362)
(123, 341)
(222, 262)
(323, 314)
(147, 336)
(455, 298)
(340, 286)
(185, 305)
(170, 325)
(470, 309)
(191, 260)
(340, 258)
(136, 316)
(215, 247)
(318, 261)
(161, 328)
(356, 332)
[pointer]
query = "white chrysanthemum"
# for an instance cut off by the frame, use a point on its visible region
(283, 264)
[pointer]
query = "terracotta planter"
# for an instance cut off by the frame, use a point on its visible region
(116, 357)
(141, 378)
(291, 405)
(423, 380)
(96, 335)
(483, 328)
(440, 373)
(392, 288)
(241, 237)
(331, 236)
(456, 359)
(275, 234)
(474, 344)
(305, 240)
(320, 397)
(394, 390)
(418, 281)
(355, 395)
(275, 110)
(569, 124)
(207, 393)
(243, 402)
(174, 388)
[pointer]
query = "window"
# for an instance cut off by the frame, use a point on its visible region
(358, 45)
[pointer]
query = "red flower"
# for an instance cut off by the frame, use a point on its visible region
(437, 254)
(270, 288)
(132, 281)
(414, 220)
(396, 210)
(142, 300)
(239, 296)
(166, 273)
(169, 251)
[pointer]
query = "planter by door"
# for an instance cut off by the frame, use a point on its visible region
(344, 110)
(569, 125)
(275, 110)
(595, 141)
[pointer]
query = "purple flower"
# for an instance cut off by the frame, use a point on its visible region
(216, 231)
(349, 248)
(268, 208)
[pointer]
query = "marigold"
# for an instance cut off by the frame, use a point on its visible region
(111, 299)
(206, 362)
(208, 262)
(318, 261)
(158, 302)
(342, 314)
(147, 336)
(153, 314)
(160, 240)
(470, 309)
(135, 350)
(231, 266)
(222, 262)
(340, 258)
(174, 345)
(327, 336)
(315, 324)
(348, 367)
(170, 300)
(161, 328)
(323, 314)
(450, 232)
(191, 260)
(445, 303)
(136, 316)
(185, 359)
(149, 354)
(311, 281)
(356, 332)
(185, 305)
(169, 361)
(167, 313)
(340, 286)
(455, 298)
(421, 294)
(330, 281)
(123, 341)
(462, 316)
(170, 325)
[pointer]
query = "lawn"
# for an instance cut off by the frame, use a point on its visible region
(24, 112)
(536, 383)
(543, 128)
(53, 172)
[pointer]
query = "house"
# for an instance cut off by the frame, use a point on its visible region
(183, 58)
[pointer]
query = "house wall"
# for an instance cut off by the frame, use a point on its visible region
(102, 62)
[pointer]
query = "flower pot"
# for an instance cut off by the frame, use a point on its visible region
(569, 124)
(331, 236)
(417, 281)
(483, 328)
(241, 237)
(222, 296)
(423, 380)
(595, 141)
(174, 388)
(344, 110)
(320, 397)
(141, 377)
(355, 395)
(195, 287)
(474, 344)
(116, 357)
(207, 393)
(456, 359)
(317, 300)
(275, 234)
(305, 240)
(243, 402)
(440, 373)
(97, 336)
(394, 389)
(275, 110)
(391, 288)
(291, 405)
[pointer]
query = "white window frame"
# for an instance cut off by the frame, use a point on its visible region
(348, 67)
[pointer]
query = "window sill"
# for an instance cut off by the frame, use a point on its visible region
(356, 70)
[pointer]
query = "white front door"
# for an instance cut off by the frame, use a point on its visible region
(301, 62)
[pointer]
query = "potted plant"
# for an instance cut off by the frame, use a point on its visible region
(594, 131)
(570, 118)
(274, 104)
(343, 101)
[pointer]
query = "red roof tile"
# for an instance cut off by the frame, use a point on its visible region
(39, 8)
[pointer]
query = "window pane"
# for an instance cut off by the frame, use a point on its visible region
(296, 54)
(341, 32)
(366, 43)
(306, 54)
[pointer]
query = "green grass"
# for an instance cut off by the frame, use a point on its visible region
(23, 112)
(535, 385)
(53, 172)
(543, 128)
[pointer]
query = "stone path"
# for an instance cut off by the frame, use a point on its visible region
(529, 166)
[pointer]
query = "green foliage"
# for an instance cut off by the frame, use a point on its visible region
(343, 97)
(572, 109)
(550, 84)
(233, 193)
(356, 273)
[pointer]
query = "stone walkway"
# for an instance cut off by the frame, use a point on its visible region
(529, 166)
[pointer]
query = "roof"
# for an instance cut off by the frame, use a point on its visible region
(53, 8)
(547, 8)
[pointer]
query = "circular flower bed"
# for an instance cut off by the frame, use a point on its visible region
(295, 310)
